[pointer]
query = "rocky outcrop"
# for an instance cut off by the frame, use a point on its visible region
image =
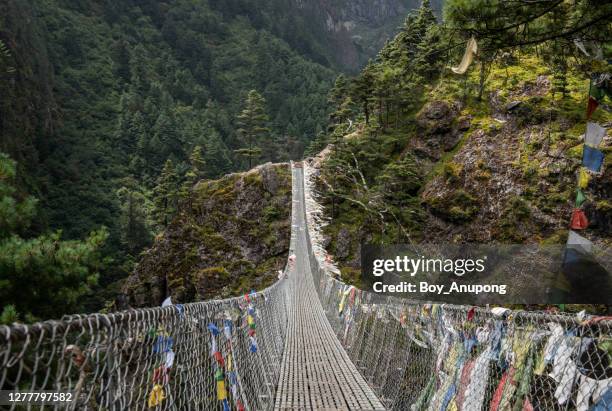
(231, 236)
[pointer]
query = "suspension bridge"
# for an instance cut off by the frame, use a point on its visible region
(311, 342)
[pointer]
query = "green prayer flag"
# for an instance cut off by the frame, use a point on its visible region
(580, 198)
(597, 93)
(600, 87)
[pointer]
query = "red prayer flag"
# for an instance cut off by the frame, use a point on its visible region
(579, 220)
(470, 314)
(591, 106)
(219, 357)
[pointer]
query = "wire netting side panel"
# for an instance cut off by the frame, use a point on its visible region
(442, 357)
(159, 356)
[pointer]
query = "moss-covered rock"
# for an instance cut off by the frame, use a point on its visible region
(458, 206)
(231, 236)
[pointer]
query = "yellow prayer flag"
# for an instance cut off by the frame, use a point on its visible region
(583, 178)
(157, 396)
(221, 391)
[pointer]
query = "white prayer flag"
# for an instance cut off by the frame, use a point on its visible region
(169, 359)
(594, 134)
(499, 311)
(470, 51)
(167, 302)
(578, 242)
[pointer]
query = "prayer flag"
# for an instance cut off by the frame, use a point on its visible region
(213, 329)
(579, 220)
(594, 134)
(591, 107)
(578, 242)
(157, 396)
(169, 359)
(583, 178)
(221, 391)
(468, 56)
(592, 158)
(580, 198)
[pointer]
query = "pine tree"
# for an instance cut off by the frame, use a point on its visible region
(253, 126)
(135, 233)
(189, 181)
(338, 93)
(363, 89)
(166, 195)
(427, 60)
(216, 156)
(198, 165)
(166, 140)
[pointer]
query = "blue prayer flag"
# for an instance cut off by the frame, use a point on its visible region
(592, 158)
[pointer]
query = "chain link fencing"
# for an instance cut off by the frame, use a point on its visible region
(446, 357)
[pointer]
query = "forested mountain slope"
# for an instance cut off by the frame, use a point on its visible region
(418, 153)
(112, 110)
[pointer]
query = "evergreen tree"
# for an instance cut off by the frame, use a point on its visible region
(40, 277)
(166, 195)
(338, 93)
(253, 127)
(198, 165)
(189, 181)
(216, 156)
(363, 89)
(166, 141)
(135, 233)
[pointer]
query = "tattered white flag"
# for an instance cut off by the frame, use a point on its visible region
(578, 242)
(470, 51)
(594, 134)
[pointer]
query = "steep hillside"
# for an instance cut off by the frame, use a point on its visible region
(231, 236)
(419, 153)
(101, 95)
(503, 169)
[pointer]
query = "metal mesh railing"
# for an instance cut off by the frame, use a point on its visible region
(161, 358)
(445, 357)
(220, 354)
(226, 354)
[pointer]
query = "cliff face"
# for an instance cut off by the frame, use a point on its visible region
(232, 236)
(357, 29)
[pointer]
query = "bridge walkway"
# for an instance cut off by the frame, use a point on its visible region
(316, 372)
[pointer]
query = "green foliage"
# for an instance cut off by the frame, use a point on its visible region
(9, 314)
(166, 195)
(253, 129)
(458, 206)
(93, 94)
(40, 276)
(133, 221)
(400, 180)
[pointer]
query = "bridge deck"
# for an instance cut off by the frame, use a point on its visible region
(316, 372)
